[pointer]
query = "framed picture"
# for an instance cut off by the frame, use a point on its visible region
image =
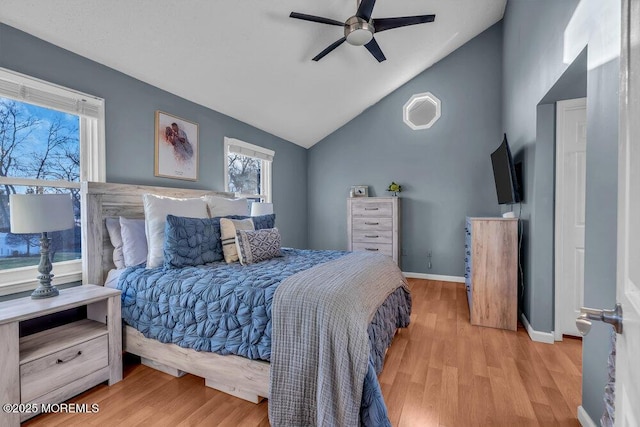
(360, 190)
(176, 147)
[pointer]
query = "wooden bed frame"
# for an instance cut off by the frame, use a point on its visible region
(241, 377)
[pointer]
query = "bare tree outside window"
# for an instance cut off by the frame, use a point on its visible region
(43, 144)
(244, 174)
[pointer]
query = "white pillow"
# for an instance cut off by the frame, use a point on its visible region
(115, 235)
(219, 206)
(134, 241)
(228, 229)
(156, 209)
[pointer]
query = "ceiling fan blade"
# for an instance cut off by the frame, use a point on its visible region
(313, 18)
(390, 23)
(322, 54)
(365, 9)
(375, 50)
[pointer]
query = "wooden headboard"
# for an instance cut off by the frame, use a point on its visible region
(102, 200)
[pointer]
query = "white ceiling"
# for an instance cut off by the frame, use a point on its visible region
(248, 59)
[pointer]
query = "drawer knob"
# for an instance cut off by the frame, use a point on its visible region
(372, 249)
(59, 361)
(372, 223)
(372, 236)
(370, 209)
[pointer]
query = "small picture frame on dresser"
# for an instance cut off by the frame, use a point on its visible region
(360, 190)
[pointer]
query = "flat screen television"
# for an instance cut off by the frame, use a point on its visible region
(504, 174)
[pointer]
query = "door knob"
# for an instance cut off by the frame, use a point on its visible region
(612, 317)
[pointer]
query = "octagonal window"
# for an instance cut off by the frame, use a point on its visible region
(421, 111)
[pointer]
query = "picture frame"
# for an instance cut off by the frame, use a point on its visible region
(176, 147)
(360, 190)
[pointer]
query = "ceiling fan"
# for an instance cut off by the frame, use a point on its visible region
(359, 29)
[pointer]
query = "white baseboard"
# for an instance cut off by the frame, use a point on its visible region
(537, 336)
(438, 277)
(584, 418)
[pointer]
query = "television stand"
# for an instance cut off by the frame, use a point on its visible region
(491, 271)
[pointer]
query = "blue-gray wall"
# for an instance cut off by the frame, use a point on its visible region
(445, 171)
(533, 62)
(601, 225)
(130, 107)
(535, 58)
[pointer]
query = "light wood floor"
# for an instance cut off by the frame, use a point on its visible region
(441, 371)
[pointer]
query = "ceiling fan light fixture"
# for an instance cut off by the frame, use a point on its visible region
(357, 31)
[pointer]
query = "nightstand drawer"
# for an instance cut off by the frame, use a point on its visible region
(373, 209)
(381, 248)
(372, 224)
(372, 236)
(55, 370)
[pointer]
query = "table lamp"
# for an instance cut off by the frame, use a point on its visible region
(41, 213)
(261, 208)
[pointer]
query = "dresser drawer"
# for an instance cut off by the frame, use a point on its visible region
(372, 236)
(372, 224)
(382, 248)
(373, 209)
(55, 370)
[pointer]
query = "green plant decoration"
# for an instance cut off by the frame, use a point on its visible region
(395, 188)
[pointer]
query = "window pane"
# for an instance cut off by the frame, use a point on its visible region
(37, 142)
(22, 250)
(244, 174)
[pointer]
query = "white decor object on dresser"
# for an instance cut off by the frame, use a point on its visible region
(56, 364)
(373, 224)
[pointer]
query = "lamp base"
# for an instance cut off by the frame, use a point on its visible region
(45, 289)
(42, 292)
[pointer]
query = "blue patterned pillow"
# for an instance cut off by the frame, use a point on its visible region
(263, 221)
(196, 241)
(258, 245)
(191, 241)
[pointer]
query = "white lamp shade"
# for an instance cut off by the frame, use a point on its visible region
(260, 208)
(39, 213)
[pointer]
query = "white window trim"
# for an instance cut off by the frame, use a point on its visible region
(90, 109)
(25, 278)
(251, 150)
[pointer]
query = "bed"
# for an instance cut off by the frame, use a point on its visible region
(245, 378)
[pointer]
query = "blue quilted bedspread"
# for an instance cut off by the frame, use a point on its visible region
(226, 309)
(218, 307)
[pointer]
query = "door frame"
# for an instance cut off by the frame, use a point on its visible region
(558, 225)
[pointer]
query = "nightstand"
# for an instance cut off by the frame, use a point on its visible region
(56, 364)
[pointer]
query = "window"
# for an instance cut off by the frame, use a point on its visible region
(51, 138)
(247, 170)
(421, 111)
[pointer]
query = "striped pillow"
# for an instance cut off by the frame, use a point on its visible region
(228, 229)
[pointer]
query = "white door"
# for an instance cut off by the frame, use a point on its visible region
(628, 286)
(571, 148)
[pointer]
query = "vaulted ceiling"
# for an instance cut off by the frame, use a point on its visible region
(249, 60)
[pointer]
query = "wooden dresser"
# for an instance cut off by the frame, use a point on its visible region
(373, 224)
(491, 271)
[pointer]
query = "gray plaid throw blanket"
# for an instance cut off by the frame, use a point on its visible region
(320, 345)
